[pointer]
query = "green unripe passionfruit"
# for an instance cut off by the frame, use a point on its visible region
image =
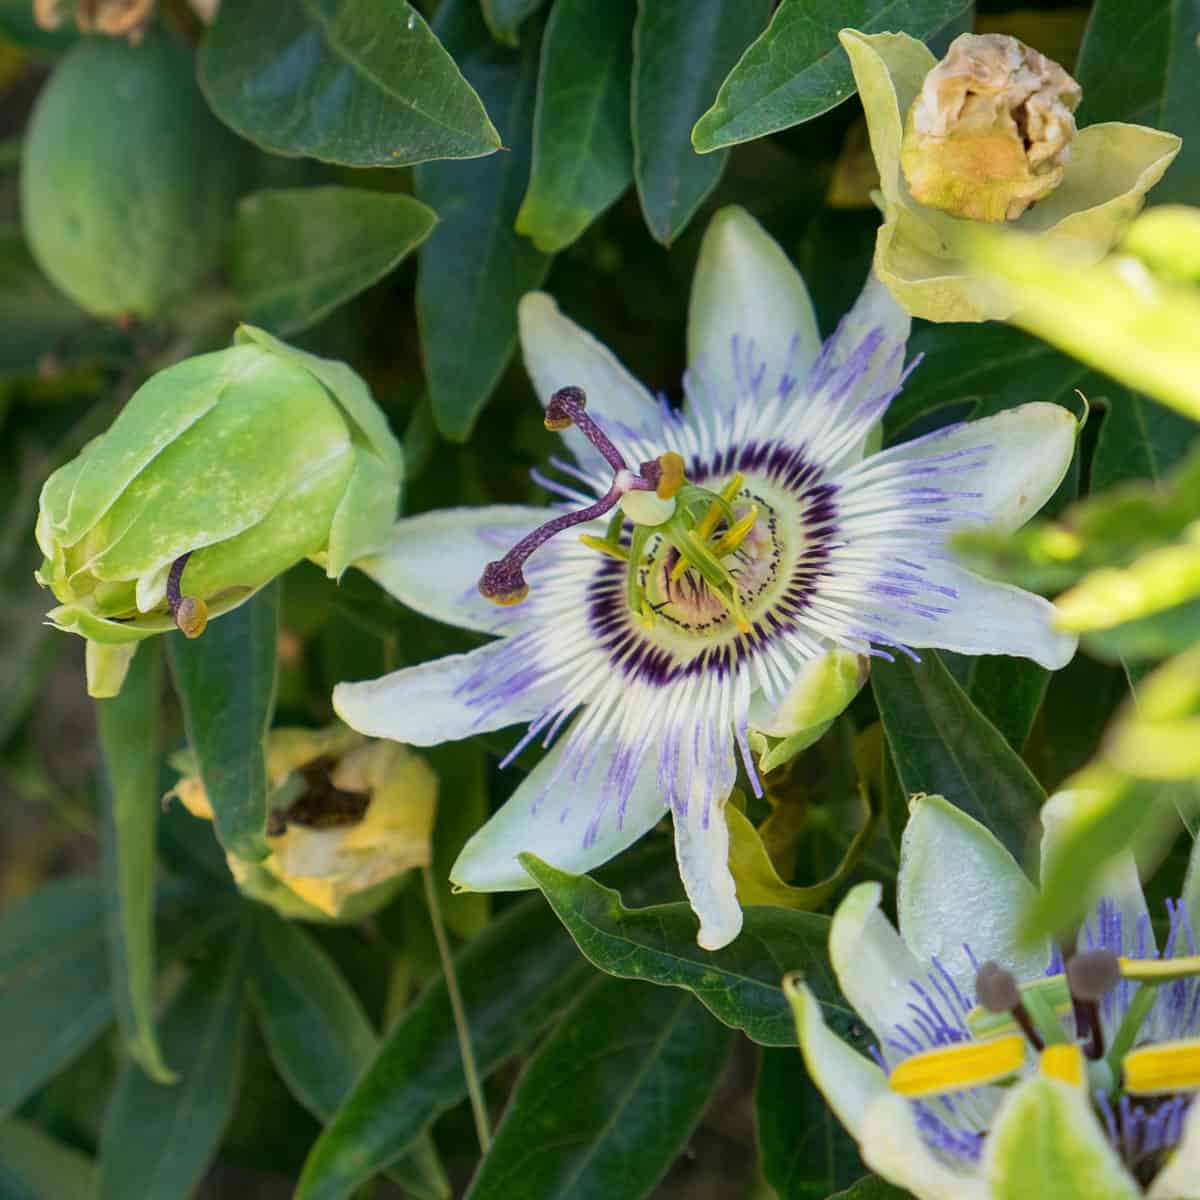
(128, 182)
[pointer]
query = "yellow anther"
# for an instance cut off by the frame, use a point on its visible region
(671, 479)
(507, 599)
(954, 1068)
(612, 549)
(709, 521)
(1064, 1063)
(1167, 1067)
(1157, 970)
(733, 538)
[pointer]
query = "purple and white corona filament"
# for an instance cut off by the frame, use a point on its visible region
(698, 607)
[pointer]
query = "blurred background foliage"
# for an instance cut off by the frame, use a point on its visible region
(165, 1036)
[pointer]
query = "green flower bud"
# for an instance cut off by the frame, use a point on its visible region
(1000, 121)
(991, 129)
(220, 473)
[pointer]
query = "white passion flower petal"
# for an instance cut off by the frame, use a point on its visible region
(892, 1146)
(562, 820)
(875, 315)
(558, 354)
(432, 703)
(848, 1081)
(980, 616)
(1025, 451)
(432, 563)
(749, 308)
(702, 851)
(958, 886)
(873, 966)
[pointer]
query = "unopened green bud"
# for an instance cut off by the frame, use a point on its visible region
(220, 473)
(990, 130)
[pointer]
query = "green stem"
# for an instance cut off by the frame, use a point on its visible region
(483, 1130)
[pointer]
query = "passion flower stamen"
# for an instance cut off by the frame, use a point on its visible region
(503, 581)
(189, 612)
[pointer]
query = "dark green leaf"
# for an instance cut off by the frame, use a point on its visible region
(607, 1103)
(873, 1188)
(54, 992)
(987, 368)
(503, 17)
(1139, 63)
(1138, 439)
(804, 1151)
(30, 647)
(682, 49)
(318, 1035)
(1079, 702)
(159, 1139)
(129, 740)
(299, 253)
(475, 267)
(226, 681)
(515, 978)
(797, 70)
(462, 809)
(941, 743)
(582, 144)
(741, 985)
(35, 1166)
(359, 82)
(1007, 691)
